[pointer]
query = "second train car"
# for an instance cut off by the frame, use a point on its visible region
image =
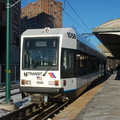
(57, 62)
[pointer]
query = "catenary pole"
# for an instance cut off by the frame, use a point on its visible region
(8, 39)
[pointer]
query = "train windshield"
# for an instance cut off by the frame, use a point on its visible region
(40, 53)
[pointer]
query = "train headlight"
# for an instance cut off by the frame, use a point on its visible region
(56, 82)
(23, 82)
(51, 83)
(28, 82)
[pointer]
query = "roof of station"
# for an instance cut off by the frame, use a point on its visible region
(109, 34)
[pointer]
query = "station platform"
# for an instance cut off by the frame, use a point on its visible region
(100, 103)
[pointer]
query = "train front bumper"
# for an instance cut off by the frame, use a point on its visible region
(41, 90)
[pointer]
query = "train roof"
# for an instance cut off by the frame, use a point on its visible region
(85, 41)
(46, 31)
(57, 31)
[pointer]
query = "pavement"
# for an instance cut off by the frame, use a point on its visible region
(105, 105)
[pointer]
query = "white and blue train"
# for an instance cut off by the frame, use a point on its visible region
(57, 62)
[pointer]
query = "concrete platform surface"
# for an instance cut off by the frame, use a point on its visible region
(105, 105)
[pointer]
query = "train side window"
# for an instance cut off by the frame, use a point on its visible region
(67, 63)
(94, 64)
(82, 64)
(65, 60)
(68, 58)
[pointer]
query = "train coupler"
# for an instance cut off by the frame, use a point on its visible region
(36, 98)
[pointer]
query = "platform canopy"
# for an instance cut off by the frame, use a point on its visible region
(109, 34)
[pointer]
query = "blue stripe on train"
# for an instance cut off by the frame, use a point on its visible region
(69, 90)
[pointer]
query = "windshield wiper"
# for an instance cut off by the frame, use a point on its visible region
(47, 69)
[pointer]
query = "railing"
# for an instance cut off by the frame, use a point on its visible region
(14, 75)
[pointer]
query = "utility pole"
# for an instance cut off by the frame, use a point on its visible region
(8, 39)
(7, 105)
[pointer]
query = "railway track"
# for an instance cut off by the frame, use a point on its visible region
(35, 112)
(50, 112)
(28, 111)
(13, 87)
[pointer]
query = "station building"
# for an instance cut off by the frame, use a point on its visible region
(109, 34)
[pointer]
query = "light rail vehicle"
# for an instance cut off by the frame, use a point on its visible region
(57, 63)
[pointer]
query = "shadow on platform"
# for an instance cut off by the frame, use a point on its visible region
(117, 78)
(118, 75)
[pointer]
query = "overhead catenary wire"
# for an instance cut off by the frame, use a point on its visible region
(63, 9)
(74, 20)
(78, 17)
(15, 3)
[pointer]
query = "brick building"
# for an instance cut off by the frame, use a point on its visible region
(41, 14)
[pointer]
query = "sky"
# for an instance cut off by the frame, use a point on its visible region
(83, 15)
